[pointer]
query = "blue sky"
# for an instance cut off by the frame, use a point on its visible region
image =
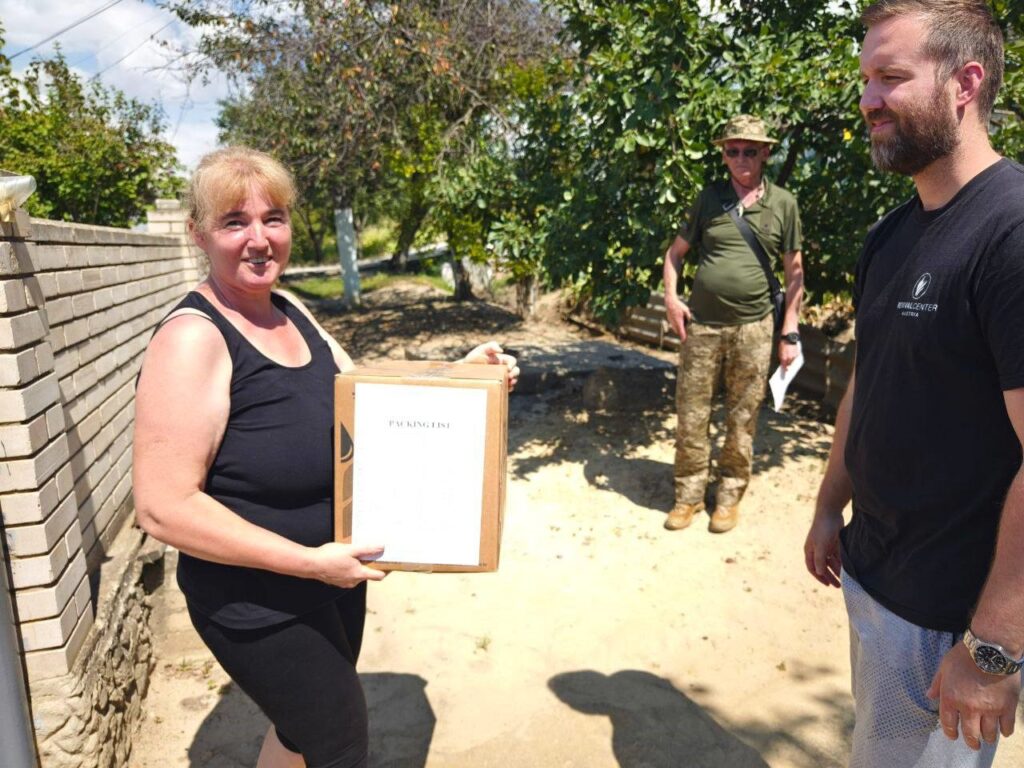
(122, 44)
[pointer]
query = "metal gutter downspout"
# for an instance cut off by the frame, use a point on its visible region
(19, 746)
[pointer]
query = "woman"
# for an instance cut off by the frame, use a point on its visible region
(232, 466)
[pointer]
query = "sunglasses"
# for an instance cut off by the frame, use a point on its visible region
(748, 152)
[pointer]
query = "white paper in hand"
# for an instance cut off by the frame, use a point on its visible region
(780, 381)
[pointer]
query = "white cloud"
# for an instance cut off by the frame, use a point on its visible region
(123, 45)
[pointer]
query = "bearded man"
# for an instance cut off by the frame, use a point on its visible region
(928, 438)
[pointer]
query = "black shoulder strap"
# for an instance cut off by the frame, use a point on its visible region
(752, 241)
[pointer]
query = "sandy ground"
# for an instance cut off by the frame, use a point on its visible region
(603, 640)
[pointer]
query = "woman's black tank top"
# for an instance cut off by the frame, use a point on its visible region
(274, 469)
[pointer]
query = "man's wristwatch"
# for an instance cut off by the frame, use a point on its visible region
(990, 657)
(790, 338)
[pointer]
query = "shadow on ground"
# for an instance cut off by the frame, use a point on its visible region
(655, 725)
(410, 316)
(553, 428)
(401, 725)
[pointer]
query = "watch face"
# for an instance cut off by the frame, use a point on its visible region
(989, 659)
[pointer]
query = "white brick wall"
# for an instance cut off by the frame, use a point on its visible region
(77, 307)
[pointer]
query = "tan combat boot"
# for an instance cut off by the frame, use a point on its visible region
(724, 519)
(682, 515)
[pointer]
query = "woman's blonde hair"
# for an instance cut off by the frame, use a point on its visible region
(225, 177)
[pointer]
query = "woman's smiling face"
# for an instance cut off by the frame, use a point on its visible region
(248, 245)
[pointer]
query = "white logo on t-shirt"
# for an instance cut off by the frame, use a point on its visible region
(915, 308)
(921, 286)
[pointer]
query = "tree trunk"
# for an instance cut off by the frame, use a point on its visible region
(316, 238)
(526, 296)
(463, 288)
(410, 224)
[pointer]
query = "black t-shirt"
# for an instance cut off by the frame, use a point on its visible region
(931, 451)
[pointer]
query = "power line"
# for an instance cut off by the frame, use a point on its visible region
(133, 50)
(69, 27)
(158, 16)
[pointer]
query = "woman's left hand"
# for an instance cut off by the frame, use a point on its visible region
(491, 354)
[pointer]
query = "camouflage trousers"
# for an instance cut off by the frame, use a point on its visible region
(743, 354)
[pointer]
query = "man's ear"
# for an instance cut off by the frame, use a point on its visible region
(968, 83)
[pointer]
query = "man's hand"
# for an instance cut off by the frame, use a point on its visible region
(678, 316)
(983, 705)
(787, 354)
(821, 548)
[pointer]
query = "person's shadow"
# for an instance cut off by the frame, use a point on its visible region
(401, 725)
(654, 725)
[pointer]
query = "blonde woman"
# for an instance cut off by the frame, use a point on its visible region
(233, 468)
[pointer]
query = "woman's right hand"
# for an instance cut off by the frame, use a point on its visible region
(341, 564)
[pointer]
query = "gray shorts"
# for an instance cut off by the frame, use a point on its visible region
(893, 663)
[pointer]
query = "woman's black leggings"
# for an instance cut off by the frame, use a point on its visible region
(302, 675)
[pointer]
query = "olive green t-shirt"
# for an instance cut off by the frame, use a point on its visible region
(730, 287)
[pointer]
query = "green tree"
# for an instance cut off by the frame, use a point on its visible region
(367, 102)
(97, 156)
(651, 82)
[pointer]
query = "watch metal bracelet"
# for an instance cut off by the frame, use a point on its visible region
(990, 657)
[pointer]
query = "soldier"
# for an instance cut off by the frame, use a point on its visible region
(728, 321)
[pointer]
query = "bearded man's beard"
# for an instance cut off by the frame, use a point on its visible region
(921, 135)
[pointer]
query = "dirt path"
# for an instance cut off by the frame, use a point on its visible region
(604, 640)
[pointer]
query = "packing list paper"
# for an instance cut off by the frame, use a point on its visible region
(418, 471)
(780, 380)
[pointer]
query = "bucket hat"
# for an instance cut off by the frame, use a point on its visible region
(746, 127)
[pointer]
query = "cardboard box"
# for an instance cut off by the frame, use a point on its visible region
(421, 449)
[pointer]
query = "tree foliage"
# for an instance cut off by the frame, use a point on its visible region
(366, 101)
(97, 156)
(622, 147)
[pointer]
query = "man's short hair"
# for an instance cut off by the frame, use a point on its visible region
(959, 31)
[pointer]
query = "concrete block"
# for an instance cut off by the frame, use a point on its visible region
(65, 481)
(83, 595)
(42, 570)
(83, 304)
(85, 378)
(18, 440)
(26, 474)
(15, 259)
(24, 403)
(70, 282)
(92, 278)
(78, 257)
(65, 362)
(51, 258)
(47, 231)
(60, 310)
(104, 297)
(76, 332)
(42, 665)
(12, 297)
(18, 331)
(20, 225)
(48, 284)
(50, 633)
(45, 602)
(34, 540)
(18, 368)
(44, 358)
(55, 424)
(32, 506)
